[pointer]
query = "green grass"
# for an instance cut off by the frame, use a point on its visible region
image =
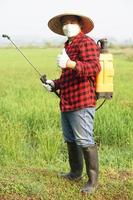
(32, 151)
(32, 183)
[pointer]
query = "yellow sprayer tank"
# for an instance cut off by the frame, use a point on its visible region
(104, 81)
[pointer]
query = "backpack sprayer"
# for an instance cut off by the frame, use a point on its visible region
(104, 80)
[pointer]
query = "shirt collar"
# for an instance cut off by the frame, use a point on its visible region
(74, 39)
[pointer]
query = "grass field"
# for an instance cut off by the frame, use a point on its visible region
(32, 151)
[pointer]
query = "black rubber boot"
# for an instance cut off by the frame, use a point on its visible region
(92, 168)
(75, 162)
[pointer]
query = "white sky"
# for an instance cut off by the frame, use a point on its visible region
(113, 18)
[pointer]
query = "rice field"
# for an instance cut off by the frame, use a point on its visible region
(30, 129)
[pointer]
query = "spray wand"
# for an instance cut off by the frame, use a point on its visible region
(42, 77)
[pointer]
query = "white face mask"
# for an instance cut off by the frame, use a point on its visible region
(71, 30)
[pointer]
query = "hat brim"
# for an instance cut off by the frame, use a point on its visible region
(55, 23)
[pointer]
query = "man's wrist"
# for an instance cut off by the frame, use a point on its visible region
(71, 64)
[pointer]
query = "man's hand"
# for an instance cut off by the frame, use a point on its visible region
(49, 85)
(62, 59)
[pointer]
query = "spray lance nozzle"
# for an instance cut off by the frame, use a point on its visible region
(6, 36)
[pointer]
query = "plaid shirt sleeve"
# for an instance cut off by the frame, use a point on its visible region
(57, 83)
(88, 65)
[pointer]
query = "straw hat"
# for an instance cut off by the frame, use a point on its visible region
(55, 24)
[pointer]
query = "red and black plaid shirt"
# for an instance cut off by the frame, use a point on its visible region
(77, 86)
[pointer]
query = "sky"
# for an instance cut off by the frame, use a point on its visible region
(29, 18)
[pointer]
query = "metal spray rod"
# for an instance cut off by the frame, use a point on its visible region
(6, 36)
(42, 77)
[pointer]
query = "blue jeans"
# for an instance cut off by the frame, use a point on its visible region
(77, 126)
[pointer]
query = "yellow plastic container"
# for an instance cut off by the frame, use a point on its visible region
(104, 81)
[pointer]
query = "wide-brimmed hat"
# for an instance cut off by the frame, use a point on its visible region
(55, 23)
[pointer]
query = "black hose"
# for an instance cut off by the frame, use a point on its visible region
(101, 104)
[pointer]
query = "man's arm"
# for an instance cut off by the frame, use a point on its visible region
(88, 65)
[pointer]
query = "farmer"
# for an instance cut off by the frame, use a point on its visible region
(79, 63)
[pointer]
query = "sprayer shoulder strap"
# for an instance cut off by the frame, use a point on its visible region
(92, 85)
(91, 81)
